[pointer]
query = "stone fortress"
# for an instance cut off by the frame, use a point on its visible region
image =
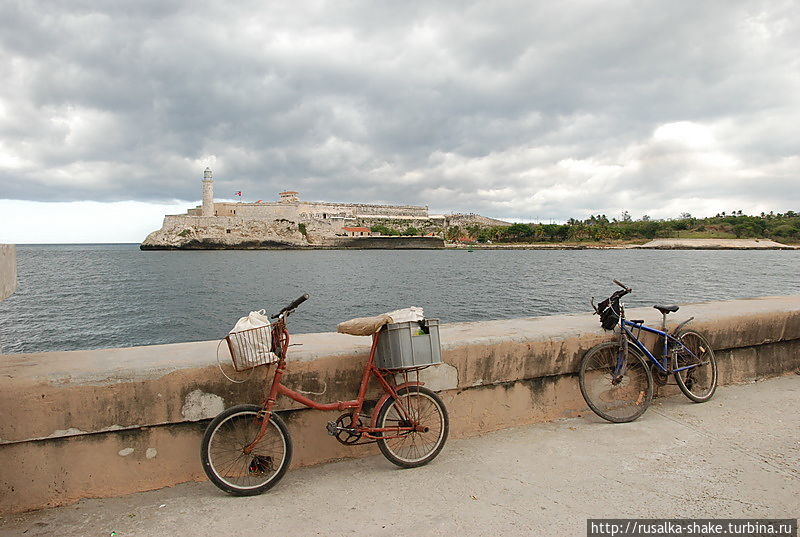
(294, 223)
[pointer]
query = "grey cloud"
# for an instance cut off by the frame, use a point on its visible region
(461, 106)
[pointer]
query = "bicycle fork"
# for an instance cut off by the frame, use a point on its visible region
(621, 366)
(266, 412)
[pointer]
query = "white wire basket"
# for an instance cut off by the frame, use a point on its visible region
(251, 348)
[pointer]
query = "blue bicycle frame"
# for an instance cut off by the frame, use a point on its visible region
(667, 338)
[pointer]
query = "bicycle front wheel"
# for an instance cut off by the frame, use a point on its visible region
(700, 381)
(614, 397)
(415, 405)
(225, 462)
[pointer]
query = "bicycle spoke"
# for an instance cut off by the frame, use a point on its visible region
(419, 410)
(241, 470)
(699, 381)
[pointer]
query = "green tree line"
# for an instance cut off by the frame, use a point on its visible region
(385, 230)
(598, 228)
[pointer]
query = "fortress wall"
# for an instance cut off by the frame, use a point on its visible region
(113, 421)
(186, 221)
(352, 209)
(301, 211)
(174, 221)
(276, 211)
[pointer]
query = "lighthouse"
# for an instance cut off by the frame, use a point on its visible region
(208, 193)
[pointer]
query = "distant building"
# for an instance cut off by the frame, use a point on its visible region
(293, 223)
(357, 231)
(339, 216)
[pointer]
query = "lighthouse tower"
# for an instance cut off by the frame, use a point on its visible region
(208, 193)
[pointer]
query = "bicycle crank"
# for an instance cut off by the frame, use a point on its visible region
(343, 430)
(659, 376)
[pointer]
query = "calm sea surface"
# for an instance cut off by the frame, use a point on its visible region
(93, 296)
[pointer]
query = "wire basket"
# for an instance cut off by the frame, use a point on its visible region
(251, 348)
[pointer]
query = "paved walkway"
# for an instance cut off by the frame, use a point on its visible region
(736, 456)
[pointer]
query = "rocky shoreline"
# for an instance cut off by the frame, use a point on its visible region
(657, 244)
(337, 243)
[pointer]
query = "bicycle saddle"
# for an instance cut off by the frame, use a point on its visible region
(666, 309)
(363, 326)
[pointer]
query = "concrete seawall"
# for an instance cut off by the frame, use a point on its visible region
(8, 270)
(114, 421)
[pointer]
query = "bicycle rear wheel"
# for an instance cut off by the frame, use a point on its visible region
(229, 467)
(699, 382)
(618, 399)
(415, 405)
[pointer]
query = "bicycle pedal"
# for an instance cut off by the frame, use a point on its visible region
(332, 428)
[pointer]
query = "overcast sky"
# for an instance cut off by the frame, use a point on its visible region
(110, 111)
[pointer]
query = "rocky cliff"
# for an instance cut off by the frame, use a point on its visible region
(464, 220)
(222, 232)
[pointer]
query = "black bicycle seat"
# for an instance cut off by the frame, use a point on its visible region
(666, 309)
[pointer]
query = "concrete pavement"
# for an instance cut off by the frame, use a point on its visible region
(736, 456)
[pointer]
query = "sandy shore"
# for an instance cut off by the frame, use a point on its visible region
(716, 244)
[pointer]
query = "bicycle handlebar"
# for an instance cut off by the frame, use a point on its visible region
(291, 306)
(616, 295)
(628, 289)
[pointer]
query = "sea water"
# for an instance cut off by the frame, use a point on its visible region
(94, 296)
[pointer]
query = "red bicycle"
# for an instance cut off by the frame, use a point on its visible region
(247, 449)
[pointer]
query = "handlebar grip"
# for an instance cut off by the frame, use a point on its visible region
(288, 309)
(628, 289)
(297, 302)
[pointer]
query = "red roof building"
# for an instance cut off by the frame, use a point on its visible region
(356, 231)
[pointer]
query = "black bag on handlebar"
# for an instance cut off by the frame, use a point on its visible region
(608, 310)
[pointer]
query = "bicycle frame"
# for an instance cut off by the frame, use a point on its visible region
(280, 335)
(668, 338)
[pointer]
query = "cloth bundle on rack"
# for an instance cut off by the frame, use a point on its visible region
(366, 326)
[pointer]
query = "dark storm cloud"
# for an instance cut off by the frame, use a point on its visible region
(509, 109)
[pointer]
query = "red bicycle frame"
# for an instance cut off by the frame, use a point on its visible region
(280, 338)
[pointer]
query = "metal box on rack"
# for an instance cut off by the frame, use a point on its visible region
(409, 345)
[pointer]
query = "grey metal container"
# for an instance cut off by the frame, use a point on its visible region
(410, 344)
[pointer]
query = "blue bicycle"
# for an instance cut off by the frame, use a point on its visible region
(617, 380)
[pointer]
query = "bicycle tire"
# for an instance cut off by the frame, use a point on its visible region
(429, 408)
(621, 402)
(698, 383)
(221, 451)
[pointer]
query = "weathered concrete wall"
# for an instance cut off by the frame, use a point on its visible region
(8, 270)
(113, 421)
